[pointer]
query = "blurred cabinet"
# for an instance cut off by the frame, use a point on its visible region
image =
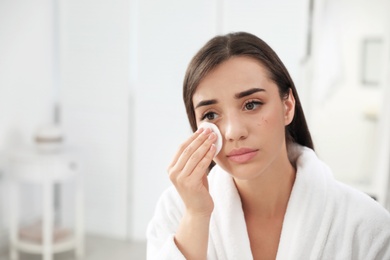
(44, 170)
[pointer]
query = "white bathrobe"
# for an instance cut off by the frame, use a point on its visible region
(325, 219)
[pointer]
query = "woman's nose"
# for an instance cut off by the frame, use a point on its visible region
(234, 128)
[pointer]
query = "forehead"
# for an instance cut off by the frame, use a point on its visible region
(233, 75)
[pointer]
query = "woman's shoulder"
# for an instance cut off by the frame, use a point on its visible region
(359, 199)
(368, 221)
(352, 200)
(344, 202)
(170, 202)
(167, 214)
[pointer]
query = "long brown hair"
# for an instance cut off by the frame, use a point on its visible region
(221, 48)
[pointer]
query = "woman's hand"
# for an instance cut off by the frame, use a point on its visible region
(188, 172)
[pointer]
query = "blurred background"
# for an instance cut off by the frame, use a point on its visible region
(107, 75)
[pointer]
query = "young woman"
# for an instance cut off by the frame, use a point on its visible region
(268, 196)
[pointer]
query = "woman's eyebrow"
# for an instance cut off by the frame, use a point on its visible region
(206, 103)
(238, 96)
(248, 92)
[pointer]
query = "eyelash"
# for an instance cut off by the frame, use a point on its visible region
(206, 114)
(256, 103)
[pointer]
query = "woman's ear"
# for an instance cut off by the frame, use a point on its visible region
(289, 108)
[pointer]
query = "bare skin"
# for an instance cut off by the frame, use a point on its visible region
(265, 226)
(251, 115)
(187, 173)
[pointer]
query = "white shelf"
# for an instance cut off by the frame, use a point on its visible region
(30, 247)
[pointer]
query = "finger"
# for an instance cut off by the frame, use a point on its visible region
(194, 153)
(184, 146)
(201, 168)
(190, 150)
(197, 156)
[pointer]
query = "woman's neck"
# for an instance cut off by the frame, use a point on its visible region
(268, 195)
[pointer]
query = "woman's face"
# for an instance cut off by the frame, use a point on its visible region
(240, 98)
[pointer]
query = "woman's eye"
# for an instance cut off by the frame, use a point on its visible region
(209, 116)
(252, 105)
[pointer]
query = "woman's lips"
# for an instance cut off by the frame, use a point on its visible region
(242, 155)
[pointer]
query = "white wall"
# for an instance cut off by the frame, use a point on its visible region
(26, 69)
(169, 34)
(26, 51)
(94, 45)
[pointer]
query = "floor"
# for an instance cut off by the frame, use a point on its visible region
(98, 248)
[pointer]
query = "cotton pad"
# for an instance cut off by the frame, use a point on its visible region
(214, 128)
